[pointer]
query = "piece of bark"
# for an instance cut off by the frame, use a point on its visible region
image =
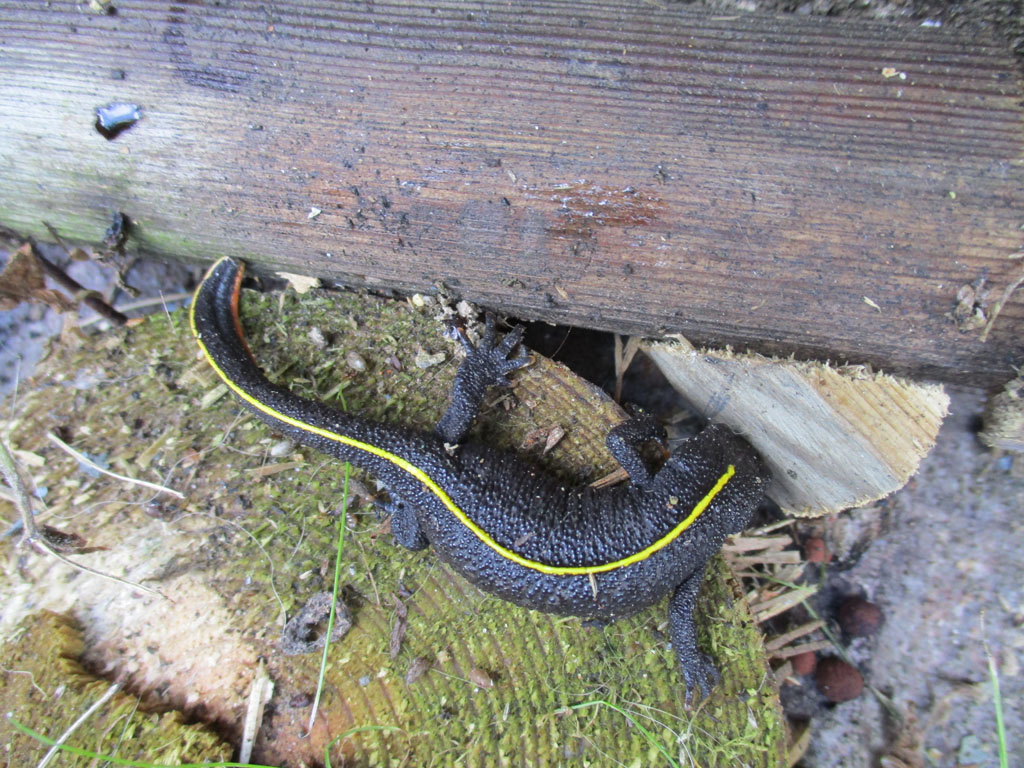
(834, 438)
(802, 185)
(1004, 418)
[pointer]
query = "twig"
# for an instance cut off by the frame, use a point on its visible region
(780, 641)
(32, 535)
(623, 357)
(78, 724)
(796, 650)
(774, 606)
(82, 458)
(756, 543)
(131, 306)
(260, 693)
(998, 307)
(787, 557)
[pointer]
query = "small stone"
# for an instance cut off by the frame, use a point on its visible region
(837, 680)
(355, 361)
(859, 617)
(815, 550)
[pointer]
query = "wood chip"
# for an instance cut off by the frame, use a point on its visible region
(774, 606)
(398, 628)
(773, 644)
(796, 650)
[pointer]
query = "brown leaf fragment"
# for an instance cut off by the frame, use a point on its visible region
(23, 280)
(480, 678)
(64, 542)
(969, 312)
(533, 437)
(550, 436)
(419, 667)
(190, 457)
(398, 628)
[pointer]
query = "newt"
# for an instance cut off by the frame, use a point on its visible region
(509, 528)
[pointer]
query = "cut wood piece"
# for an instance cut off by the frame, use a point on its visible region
(1004, 418)
(834, 437)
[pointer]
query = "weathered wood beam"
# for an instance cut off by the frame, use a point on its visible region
(796, 185)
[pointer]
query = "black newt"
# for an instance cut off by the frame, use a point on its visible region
(512, 530)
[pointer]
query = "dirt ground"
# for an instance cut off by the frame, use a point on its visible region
(946, 569)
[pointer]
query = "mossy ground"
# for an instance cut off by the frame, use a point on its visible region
(44, 684)
(254, 538)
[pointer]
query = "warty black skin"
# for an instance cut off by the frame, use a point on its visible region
(525, 521)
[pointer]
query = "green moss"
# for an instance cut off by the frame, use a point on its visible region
(43, 684)
(120, 394)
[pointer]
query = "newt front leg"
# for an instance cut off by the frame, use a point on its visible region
(486, 365)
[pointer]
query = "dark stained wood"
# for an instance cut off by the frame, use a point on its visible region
(794, 185)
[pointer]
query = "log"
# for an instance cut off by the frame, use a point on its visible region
(808, 186)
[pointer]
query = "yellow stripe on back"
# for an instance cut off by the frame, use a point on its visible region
(443, 497)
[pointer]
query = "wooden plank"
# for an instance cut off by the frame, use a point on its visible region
(798, 185)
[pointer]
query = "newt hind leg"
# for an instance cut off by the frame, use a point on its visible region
(405, 525)
(698, 669)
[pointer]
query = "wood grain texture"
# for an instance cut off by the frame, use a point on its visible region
(795, 185)
(833, 438)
